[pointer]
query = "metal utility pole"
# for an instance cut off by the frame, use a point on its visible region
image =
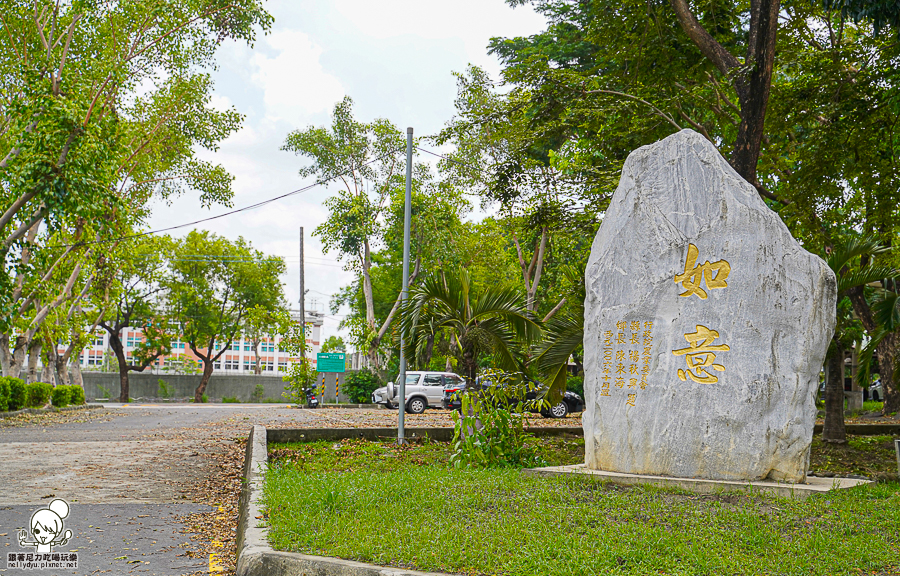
(401, 404)
(302, 295)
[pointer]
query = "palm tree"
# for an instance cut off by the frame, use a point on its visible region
(853, 265)
(493, 322)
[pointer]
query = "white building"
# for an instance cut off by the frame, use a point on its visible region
(239, 358)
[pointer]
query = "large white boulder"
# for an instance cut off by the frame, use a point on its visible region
(706, 325)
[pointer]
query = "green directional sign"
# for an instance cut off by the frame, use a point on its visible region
(330, 362)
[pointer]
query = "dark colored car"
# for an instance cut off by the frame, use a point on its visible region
(570, 402)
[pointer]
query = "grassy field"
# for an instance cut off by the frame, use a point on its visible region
(404, 507)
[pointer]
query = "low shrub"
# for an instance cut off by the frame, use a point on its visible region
(230, 400)
(103, 391)
(77, 397)
(358, 386)
(4, 395)
(204, 398)
(37, 394)
(17, 395)
(61, 396)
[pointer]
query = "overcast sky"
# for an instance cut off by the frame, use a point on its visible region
(395, 58)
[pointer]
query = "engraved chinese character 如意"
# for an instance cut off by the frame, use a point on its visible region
(694, 274)
(700, 355)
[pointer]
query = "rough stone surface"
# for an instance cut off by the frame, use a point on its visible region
(744, 409)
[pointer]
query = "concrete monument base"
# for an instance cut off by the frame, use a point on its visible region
(800, 491)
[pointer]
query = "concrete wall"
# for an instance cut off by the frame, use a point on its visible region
(239, 386)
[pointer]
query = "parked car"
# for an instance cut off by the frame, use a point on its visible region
(876, 391)
(570, 402)
(423, 390)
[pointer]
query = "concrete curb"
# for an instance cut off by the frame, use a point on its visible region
(438, 434)
(51, 409)
(254, 555)
(866, 429)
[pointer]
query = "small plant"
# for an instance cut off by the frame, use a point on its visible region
(258, 393)
(37, 394)
(103, 391)
(359, 386)
(61, 396)
(230, 400)
(489, 430)
(165, 390)
(17, 394)
(204, 398)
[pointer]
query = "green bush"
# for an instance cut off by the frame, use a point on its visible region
(230, 400)
(4, 395)
(575, 384)
(37, 394)
(77, 397)
(61, 396)
(358, 386)
(17, 395)
(204, 398)
(258, 392)
(103, 391)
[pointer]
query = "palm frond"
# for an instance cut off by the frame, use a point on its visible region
(855, 247)
(863, 276)
(886, 310)
(564, 334)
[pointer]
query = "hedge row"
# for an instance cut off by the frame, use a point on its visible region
(15, 394)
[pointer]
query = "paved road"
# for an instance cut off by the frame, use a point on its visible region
(127, 472)
(132, 473)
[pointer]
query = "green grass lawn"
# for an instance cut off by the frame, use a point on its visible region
(405, 507)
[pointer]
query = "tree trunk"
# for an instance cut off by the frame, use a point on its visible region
(204, 380)
(49, 362)
(17, 357)
(887, 356)
(62, 370)
(256, 368)
(471, 364)
(77, 379)
(115, 343)
(34, 354)
(5, 356)
(833, 430)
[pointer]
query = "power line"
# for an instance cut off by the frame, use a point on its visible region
(236, 211)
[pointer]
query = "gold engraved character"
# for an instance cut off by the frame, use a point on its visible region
(604, 391)
(620, 325)
(634, 355)
(693, 274)
(620, 369)
(620, 338)
(634, 338)
(632, 382)
(635, 326)
(620, 354)
(700, 355)
(648, 325)
(631, 399)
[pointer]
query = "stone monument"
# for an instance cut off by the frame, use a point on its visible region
(706, 325)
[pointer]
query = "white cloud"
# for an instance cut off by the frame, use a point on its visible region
(293, 82)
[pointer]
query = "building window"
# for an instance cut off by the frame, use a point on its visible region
(232, 365)
(95, 360)
(134, 341)
(98, 341)
(282, 366)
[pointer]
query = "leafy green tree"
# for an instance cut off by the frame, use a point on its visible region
(265, 322)
(300, 373)
(359, 385)
(853, 264)
(214, 285)
(333, 344)
(139, 291)
(103, 108)
(493, 322)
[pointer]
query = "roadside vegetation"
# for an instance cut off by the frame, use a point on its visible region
(408, 507)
